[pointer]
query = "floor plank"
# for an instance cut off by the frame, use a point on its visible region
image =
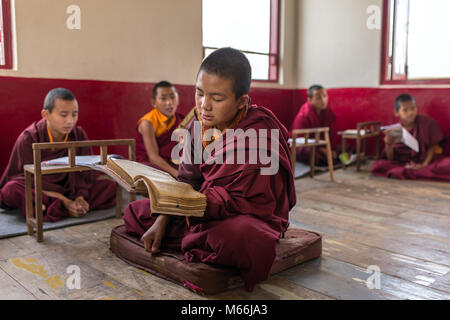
(10, 289)
(400, 226)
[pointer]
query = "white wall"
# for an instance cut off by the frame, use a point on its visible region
(335, 47)
(137, 40)
(131, 41)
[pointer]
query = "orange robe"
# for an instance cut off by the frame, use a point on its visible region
(163, 132)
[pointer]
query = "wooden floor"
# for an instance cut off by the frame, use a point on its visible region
(402, 227)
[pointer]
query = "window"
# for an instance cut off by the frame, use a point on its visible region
(416, 48)
(250, 26)
(5, 35)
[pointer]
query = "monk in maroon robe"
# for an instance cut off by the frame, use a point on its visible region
(402, 162)
(315, 113)
(247, 211)
(64, 194)
(154, 130)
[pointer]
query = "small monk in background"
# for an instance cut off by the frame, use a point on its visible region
(154, 130)
(246, 211)
(402, 162)
(315, 113)
(64, 194)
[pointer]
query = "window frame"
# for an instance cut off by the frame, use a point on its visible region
(274, 46)
(7, 34)
(386, 60)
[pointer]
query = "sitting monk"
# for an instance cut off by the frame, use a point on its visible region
(246, 212)
(315, 113)
(63, 194)
(154, 130)
(400, 161)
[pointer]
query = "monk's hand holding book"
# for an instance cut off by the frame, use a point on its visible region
(389, 140)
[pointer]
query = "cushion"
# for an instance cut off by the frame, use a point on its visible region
(296, 247)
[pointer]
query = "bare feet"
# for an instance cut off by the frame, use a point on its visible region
(77, 208)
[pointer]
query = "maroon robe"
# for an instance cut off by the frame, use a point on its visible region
(246, 212)
(308, 118)
(99, 194)
(428, 133)
(165, 145)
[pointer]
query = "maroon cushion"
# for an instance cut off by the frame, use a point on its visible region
(296, 247)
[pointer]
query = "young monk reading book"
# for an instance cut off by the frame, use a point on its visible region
(154, 129)
(315, 113)
(64, 194)
(402, 162)
(246, 211)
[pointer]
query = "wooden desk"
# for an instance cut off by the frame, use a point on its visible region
(35, 221)
(312, 139)
(364, 130)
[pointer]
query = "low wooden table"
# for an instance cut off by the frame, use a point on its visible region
(34, 222)
(312, 139)
(364, 130)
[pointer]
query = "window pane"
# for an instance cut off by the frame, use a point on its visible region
(241, 24)
(428, 40)
(2, 38)
(258, 62)
(400, 40)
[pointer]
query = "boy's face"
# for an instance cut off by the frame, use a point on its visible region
(215, 100)
(407, 112)
(166, 101)
(63, 117)
(319, 99)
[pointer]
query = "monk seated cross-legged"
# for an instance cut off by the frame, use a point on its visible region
(154, 130)
(315, 113)
(64, 194)
(247, 208)
(402, 162)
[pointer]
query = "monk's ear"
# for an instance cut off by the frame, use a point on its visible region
(44, 114)
(244, 101)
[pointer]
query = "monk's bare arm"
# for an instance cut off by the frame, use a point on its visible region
(430, 155)
(389, 147)
(148, 135)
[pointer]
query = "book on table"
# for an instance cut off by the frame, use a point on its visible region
(89, 160)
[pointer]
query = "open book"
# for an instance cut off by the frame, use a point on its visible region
(353, 132)
(301, 140)
(167, 195)
(401, 135)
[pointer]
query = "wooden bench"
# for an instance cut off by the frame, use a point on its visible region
(364, 130)
(312, 139)
(38, 170)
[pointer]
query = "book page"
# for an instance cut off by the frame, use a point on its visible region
(301, 140)
(409, 140)
(392, 126)
(165, 184)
